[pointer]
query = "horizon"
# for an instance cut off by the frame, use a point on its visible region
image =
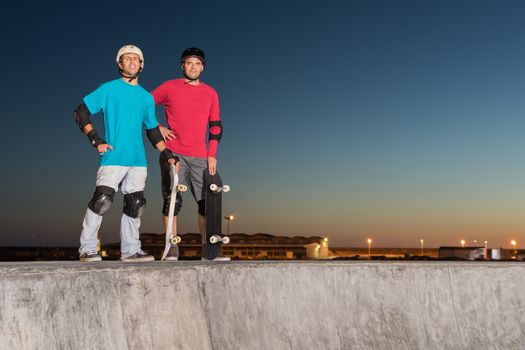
(363, 246)
(398, 121)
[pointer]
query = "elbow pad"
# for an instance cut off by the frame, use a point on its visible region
(216, 136)
(154, 136)
(81, 115)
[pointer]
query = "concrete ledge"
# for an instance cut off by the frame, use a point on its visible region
(262, 305)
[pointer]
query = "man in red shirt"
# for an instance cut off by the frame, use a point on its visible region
(192, 108)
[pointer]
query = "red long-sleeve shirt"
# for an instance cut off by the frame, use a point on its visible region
(189, 108)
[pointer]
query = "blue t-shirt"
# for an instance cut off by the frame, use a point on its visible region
(126, 107)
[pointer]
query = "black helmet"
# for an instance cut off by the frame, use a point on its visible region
(193, 52)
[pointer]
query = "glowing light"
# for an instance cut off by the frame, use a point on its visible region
(228, 219)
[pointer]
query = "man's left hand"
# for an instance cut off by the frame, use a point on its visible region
(212, 165)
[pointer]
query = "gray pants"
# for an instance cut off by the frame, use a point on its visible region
(191, 173)
(130, 179)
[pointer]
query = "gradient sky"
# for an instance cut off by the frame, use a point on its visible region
(398, 120)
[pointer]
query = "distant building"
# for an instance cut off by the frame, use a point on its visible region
(507, 254)
(356, 253)
(317, 250)
(241, 246)
(462, 253)
(480, 253)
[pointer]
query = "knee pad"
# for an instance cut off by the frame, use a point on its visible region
(102, 200)
(202, 207)
(134, 204)
(166, 206)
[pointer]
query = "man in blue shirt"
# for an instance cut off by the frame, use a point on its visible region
(126, 107)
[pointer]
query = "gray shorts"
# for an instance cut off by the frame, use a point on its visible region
(128, 179)
(191, 173)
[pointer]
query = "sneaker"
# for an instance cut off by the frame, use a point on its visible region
(173, 253)
(139, 256)
(222, 258)
(219, 258)
(90, 256)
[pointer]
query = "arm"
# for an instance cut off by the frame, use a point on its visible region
(153, 131)
(215, 134)
(156, 139)
(81, 116)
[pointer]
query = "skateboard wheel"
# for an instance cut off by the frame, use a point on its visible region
(226, 240)
(213, 239)
(182, 188)
(175, 240)
(226, 188)
(214, 188)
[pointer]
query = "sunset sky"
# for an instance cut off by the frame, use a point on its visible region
(396, 120)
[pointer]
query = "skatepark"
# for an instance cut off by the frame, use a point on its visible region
(262, 305)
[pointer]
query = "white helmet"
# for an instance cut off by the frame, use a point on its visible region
(130, 49)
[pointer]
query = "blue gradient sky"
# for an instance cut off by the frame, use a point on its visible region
(398, 120)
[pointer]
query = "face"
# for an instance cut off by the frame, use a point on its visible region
(192, 67)
(130, 63)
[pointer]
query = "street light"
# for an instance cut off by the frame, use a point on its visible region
(462, 243)
(514, 243)
(369, 241)
(422, 242)
(229, 218)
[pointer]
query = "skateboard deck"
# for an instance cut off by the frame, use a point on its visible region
(213, 197)
(171, 231)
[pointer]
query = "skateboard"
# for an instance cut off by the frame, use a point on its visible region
(213, 197)
(171, 232)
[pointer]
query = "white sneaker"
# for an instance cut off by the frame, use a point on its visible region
(173, 253)
(139, 256)
(219, 258)
(90, 256)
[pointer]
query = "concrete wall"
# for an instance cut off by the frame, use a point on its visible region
(238, 305)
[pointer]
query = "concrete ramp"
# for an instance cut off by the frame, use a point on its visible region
(262, 305)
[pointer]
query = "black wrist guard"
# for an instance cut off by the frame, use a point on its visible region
(94, 138)
(167, 155)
